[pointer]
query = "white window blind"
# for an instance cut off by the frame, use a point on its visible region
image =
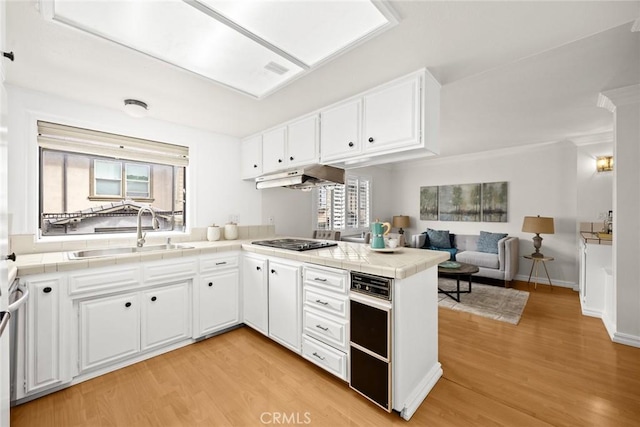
(344, 206)
(77, 140)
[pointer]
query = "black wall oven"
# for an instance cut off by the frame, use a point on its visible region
(370, 328)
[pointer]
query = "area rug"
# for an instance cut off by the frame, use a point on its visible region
(503, 304)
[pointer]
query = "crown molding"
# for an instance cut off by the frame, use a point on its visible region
(613, 98)
(593, 138)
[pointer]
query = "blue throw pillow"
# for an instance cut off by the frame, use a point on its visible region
(439, 238)
(488, 242)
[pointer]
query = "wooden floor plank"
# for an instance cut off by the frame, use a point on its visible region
(556, 367)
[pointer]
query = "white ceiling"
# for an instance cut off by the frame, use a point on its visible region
(513, 73)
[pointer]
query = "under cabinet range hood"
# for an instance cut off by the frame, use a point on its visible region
(303, 179)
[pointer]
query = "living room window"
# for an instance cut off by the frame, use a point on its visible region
(344, 207)
(96, 182)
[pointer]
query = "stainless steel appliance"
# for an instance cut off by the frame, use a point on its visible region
(18, 295)
(303, 179)
(295, 244)
(370, 327)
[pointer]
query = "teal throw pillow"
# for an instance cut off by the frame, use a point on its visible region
(439, 238)
(488, 242)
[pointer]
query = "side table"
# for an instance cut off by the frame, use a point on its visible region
(536, 264)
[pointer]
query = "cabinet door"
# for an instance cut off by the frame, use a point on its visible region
(251, 157)
(302, 142)
(392, 117)
(285, 305)
(43, 346)
(273, 150)
(255, 293)
(165, 315)
(109, 330)
(340, 131)
(219, 301)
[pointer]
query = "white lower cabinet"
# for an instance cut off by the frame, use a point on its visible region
(219, 301)
(109, 330)
(255, 293)
(166, 315)
(46, 362)
(285, 303)
(114, 328)
(325, 339)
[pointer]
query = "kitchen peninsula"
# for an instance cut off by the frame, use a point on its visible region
(90, 291)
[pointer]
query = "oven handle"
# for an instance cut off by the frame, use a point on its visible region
(25, 295)
(5, 320)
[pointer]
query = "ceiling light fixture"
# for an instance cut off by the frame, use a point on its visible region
(136, 108)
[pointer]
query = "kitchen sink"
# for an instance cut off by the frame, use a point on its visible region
(96, 253)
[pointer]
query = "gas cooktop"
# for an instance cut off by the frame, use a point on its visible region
(295, 244)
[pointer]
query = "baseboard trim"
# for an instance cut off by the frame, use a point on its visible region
(544, 281)
(428, 382)
(626, 339)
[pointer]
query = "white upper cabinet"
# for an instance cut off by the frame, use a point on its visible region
(274, 150)
(303, 142)
(391, 117)
(392, 122)
(251, 157)
(340, 130)
(396, 121)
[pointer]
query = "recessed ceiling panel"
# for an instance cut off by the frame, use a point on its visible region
(311, 31)
(179, 34)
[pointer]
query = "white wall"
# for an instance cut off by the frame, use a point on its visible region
(214, 189)
(595, 189)
(542, 181)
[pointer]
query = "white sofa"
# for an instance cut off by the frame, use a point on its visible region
(502, 266)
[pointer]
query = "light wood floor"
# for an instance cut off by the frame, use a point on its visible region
(556, 367)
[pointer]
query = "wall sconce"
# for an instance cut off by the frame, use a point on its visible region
(136, 108)
(604, 164)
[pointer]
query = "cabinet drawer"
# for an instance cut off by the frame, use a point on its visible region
(325, 278)
(104, 280)
(325, 356)
(332, 331)
(168, 270)
(325, 302)
(217, 263)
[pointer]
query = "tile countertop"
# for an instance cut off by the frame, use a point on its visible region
(594, 238)
(347, 255)
(352, 256)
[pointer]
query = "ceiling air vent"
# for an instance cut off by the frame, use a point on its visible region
(276, 68)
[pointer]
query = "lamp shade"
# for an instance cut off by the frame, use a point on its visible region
(538, 224)
(401, 221)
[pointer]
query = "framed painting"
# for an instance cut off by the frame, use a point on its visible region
(429, 203)
(459, 202)
(495, 201)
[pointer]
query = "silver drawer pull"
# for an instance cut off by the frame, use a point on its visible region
(322, 327)
(318, 356)
(318, 279)
(322, 302)
(221, 263)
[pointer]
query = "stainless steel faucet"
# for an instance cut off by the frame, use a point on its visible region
(154, 222)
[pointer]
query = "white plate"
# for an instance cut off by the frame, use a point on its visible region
(384, 249)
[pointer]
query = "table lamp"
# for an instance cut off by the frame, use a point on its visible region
(538, 225)
(401, 221)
